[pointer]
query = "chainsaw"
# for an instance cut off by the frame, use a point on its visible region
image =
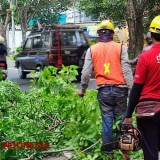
(129, 140)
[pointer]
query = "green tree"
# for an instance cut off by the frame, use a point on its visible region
(45, 11)
(135, 12)
(139, 13)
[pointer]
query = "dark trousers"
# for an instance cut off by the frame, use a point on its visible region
(150, 130)
(113, 103)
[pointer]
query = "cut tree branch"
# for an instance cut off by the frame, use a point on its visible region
(8, 17)
(58, 151)
(47, 152)
(91, 146)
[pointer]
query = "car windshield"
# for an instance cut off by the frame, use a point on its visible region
(38, 41)
(68, 38)
(83, 39)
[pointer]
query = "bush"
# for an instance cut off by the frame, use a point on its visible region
(52, 113)
(92, 41)
(19, 49)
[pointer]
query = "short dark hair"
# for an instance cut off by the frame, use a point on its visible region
(156, 36)
(104, 31)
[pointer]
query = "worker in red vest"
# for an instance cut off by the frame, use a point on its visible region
(113, 76)
(145, 95)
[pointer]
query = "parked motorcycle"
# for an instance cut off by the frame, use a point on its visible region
(3, 71)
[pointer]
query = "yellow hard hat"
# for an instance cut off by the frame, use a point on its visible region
(155, 25)
(106, 24)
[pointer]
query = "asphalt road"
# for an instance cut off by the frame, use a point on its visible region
(13, 76)
(25, 83)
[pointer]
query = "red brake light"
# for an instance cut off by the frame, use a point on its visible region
(2, 65)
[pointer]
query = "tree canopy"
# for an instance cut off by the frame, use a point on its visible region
(137, 13)
(117, 9)
(104, 8)
(47, 12)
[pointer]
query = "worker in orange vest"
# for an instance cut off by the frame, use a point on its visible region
(113, 76)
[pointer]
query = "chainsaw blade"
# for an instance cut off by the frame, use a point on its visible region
(110, 146)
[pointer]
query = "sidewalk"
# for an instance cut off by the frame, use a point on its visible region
(11, 63)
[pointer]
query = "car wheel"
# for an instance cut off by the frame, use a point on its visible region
(21, 73)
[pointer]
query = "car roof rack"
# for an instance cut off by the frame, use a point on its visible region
(36, 30)
(64, 26)
(55, 26)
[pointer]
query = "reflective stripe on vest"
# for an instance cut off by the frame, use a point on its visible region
(107, 64)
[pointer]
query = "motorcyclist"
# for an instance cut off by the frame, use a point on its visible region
(3, 52)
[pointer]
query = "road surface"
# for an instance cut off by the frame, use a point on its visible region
(25, 83)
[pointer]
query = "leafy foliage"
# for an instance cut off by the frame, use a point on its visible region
(1, 75)
(152, 10)
(9, 92)
(137, 13)
(45, 11)
(49, 11)
(107, 9)
(92, 41)
(5, 5)
(36, 7)
(104, 8)
(53, 113)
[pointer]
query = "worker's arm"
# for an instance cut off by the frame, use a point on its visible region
(86, 73)
(126, 68)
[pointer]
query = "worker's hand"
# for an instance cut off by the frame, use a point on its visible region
(128, 120)
(81, 93)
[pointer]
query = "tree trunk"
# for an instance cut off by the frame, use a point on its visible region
(3, 25)
(23, 33)
(135, 27)
(23, 13)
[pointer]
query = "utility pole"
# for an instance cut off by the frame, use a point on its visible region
(74, 10)
(0, 20)
(13, 26)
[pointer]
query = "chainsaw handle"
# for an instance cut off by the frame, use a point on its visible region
(126, 126)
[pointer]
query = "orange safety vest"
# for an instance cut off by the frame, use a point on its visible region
(107, 64)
